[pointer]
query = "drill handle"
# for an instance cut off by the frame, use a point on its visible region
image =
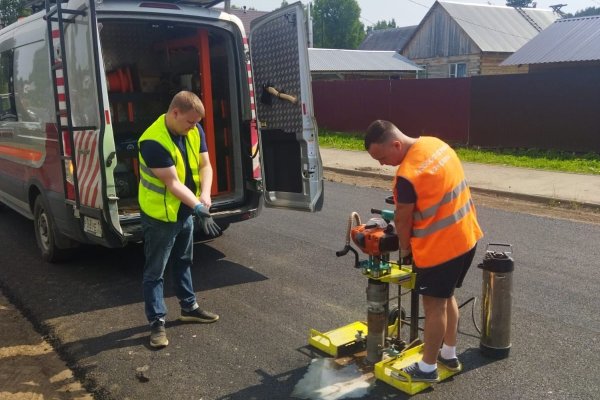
(345, 251)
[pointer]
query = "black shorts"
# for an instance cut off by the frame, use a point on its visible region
(441, 280)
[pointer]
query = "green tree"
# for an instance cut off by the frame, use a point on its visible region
(518, 3)
(382, 25)
(283, 4)
(11, 10)
(586, 12)
(336, 24)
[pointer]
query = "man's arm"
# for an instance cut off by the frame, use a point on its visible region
(403, 220)
(206, 177)
(168, 176)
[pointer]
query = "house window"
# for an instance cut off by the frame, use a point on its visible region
(458, 70)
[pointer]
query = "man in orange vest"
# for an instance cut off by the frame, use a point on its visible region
(437, 226)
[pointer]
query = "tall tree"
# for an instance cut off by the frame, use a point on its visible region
(10, 11)
(336, 24)
(382, 25)
(587, 12)
(518, 3)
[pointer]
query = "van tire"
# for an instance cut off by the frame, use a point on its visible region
(45, 234)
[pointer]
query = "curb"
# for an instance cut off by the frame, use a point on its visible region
(549, 201)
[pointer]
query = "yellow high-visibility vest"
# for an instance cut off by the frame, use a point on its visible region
(155, 199)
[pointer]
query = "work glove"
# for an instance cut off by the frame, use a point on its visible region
(201, 211)
(209, 226)
(406, 257)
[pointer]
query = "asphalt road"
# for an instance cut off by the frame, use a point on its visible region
(274, 278)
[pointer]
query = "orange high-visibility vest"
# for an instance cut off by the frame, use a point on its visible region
(444, 220)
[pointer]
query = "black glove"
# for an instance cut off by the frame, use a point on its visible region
(209, 226)
(201, 211)
(406, 257)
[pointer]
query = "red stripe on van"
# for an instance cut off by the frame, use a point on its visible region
(23, 154)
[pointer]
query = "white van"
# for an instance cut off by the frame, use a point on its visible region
(81, 80)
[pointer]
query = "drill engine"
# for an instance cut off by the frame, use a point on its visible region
(375, 238)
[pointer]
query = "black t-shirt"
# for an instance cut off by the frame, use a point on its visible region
(405, 191)
(156, 156)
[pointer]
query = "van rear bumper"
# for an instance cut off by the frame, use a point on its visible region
(251, 209)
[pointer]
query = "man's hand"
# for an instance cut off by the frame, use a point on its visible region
(406, 256)
(209, 226)
(201, 211)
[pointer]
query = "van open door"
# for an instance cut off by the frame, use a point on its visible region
(290, 159)
(73, 56)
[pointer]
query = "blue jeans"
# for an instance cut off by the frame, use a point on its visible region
(167, 243)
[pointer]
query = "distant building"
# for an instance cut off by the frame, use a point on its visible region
(459, 40)
(567, 43)
(392, 39)
(336, 64)
(247, 16)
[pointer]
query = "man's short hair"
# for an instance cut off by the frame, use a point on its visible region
(380, 131)
(185, 101)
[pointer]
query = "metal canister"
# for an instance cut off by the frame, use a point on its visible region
(496, 302)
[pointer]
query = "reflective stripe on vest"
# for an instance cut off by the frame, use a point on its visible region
(154, 198)
(444, 220)
(149, 185)
(448, 197)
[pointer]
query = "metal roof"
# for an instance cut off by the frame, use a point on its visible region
(358, 61)
(392, 39)
(499, 28)
(573, 39)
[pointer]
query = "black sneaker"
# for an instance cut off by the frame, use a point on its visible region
(417, 375)
(198, 315)
(451, 364)
(158, 335)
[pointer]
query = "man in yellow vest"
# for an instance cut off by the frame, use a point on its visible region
(437, 226)
(175, 183)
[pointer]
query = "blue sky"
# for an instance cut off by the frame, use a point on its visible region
(410, 12)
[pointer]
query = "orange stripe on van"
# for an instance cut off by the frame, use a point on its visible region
(24, 154)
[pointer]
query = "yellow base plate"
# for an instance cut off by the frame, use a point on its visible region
(331, 342)
(389, 369)
(344, 337)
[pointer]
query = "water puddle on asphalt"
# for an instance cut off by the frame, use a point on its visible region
(327, 379)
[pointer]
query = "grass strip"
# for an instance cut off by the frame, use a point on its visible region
(564, 161)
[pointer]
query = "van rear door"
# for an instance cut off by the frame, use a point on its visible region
(74, 56)
(290, 159)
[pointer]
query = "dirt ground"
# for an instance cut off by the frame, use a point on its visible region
(29, 368)
(552, 209)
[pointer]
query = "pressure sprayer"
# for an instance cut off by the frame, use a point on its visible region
(496, 301)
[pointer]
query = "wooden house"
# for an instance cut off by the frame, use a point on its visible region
(459, 40)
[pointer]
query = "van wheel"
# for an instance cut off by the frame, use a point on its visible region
(45, 234)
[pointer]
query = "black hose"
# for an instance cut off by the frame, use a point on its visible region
(474, 300)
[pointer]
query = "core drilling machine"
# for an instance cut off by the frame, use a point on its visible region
(386, 352)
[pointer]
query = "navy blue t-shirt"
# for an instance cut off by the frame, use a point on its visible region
(156, 156)
(405, 191)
